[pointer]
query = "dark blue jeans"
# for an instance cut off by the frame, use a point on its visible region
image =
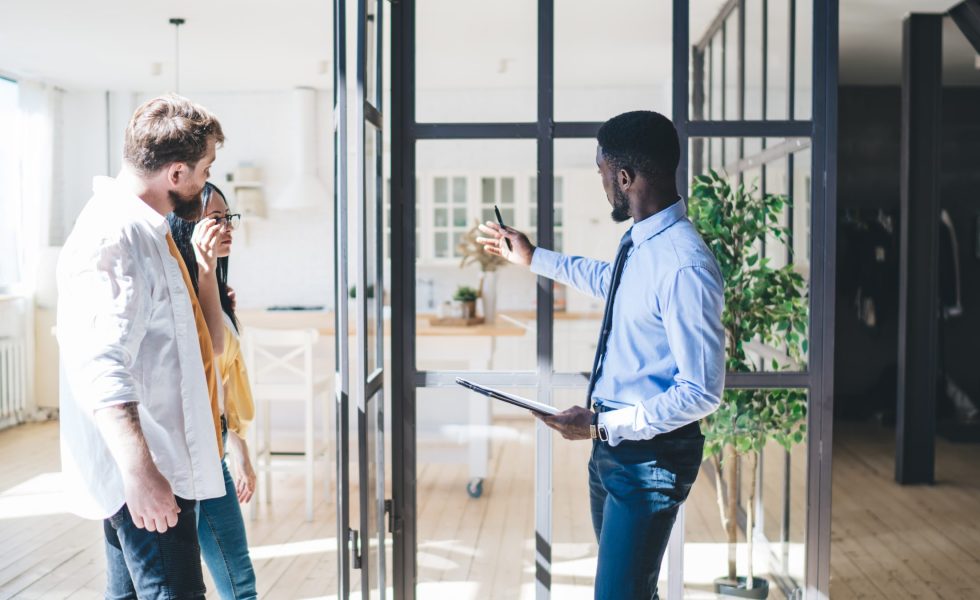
(636, 488)
(221, 530)
(153, 566)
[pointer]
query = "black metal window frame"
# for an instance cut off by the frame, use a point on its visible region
(406, 378)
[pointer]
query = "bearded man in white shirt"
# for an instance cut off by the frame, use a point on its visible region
(139, 446)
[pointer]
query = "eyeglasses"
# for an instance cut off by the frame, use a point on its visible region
(233, 221)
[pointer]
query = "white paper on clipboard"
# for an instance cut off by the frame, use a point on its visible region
(530, 405)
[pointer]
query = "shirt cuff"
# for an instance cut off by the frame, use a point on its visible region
(617, 422)
(545, 262)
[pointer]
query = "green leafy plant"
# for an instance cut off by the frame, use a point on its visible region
(766, 308)
(352, 292)
(465, 293)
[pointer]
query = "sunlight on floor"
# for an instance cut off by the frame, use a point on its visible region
(38, 496)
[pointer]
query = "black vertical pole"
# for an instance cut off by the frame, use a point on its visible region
(545, 293)
(679, 75)
(697, 107)
(919, 257)
(341, 347)
(403, 419)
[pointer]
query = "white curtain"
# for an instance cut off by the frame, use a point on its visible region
(38, 117)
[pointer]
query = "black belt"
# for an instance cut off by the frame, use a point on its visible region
(687, 431)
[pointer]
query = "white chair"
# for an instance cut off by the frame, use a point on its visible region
(281, 370)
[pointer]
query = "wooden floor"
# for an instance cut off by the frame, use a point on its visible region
(888, 541)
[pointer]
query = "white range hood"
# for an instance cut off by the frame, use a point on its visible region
(305, 190)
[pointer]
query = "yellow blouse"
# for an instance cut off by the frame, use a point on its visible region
(239, 406)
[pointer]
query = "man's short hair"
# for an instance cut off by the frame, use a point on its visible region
(642, 141)
(169, 129)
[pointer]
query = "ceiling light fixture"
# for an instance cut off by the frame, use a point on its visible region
(177, 22)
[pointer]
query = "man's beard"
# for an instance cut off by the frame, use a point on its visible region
(188, 208)
(621, 206)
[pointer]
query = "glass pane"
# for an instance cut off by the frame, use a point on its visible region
(774, 256)
(9, 185)
(715, 59)
(777, 61)
(590, 232)
(371, 522)
(593, 82)
(373, 239)
(459, 190)
(476, 62)
(440, 217)
(716, 91)
(444, 336)
(754, 30)
(804, 58)
(470, 446)
(507, 190)
(441, 190)
(442, 244)
(729, 36)
(371, 66)
(488, 185)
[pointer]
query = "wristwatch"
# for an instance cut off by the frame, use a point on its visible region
(597, 431)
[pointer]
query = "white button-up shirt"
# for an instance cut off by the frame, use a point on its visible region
(126, 333)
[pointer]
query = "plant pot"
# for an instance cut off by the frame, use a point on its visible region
(726, 587)
(469, 309)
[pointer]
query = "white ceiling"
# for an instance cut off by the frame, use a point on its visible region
(234, 45)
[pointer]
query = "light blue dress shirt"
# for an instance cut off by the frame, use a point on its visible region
(664, 365)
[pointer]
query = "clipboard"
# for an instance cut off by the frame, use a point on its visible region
(530, 405)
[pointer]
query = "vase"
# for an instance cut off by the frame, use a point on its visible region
(488, 295)
(469, 309)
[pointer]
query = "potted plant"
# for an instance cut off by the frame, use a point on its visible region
(352, 292)
(466, 296)
(765, 307)
(473, 252)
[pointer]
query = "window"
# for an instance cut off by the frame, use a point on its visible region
(448, 206)
(498, 191)
(9, 184)
(449, 215)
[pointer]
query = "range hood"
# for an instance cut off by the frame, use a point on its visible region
(304, 190)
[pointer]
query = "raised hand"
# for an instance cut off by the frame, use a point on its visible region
(521, 249)
(205, 241)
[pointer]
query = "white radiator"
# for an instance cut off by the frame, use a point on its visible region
(13, 381)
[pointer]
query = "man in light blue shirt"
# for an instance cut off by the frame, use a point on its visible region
(660, 362)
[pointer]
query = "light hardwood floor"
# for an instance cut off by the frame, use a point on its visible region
(888, 541)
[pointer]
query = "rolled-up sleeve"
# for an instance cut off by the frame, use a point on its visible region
(587, 275)
(691, 307)
(103, 311)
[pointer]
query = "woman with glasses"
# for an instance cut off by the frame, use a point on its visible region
(205, 247)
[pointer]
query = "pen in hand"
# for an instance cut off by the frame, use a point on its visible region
(500, 221)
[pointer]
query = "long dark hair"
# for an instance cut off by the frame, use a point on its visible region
(182, 231)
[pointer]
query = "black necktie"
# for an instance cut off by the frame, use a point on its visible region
(600, 351)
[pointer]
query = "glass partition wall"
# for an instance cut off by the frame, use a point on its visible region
(501, 106)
